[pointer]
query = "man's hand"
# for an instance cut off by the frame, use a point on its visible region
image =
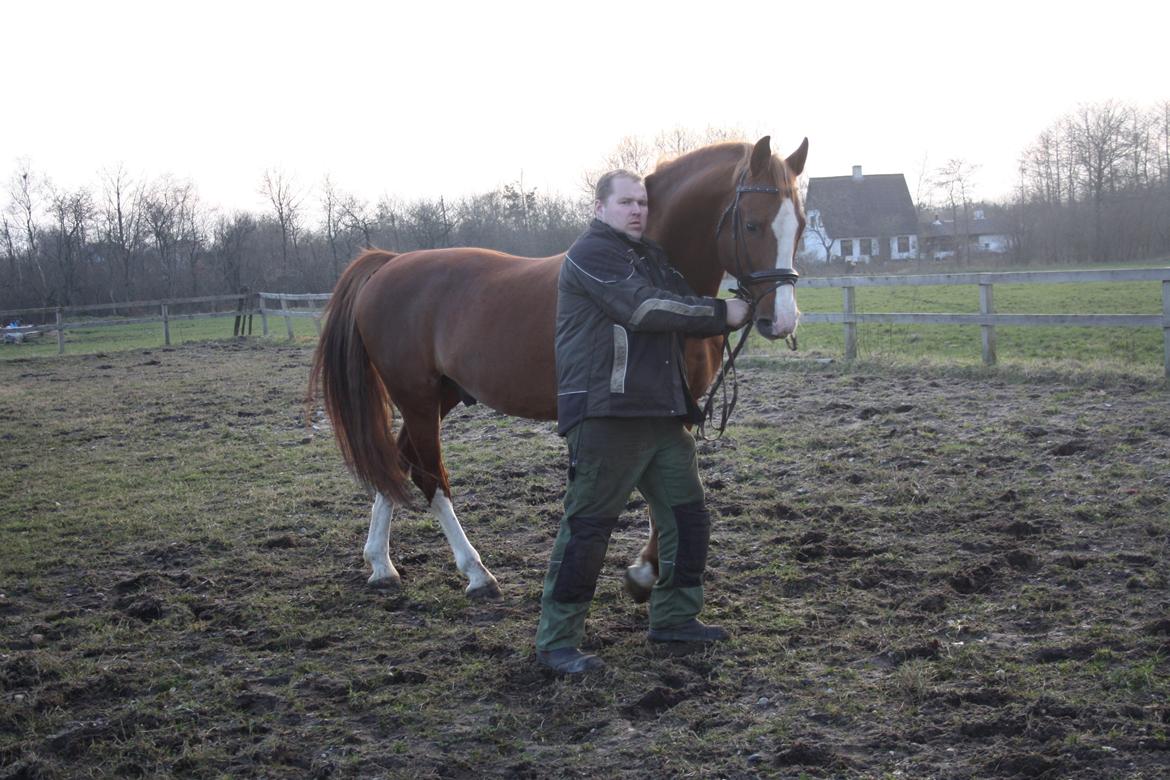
(737, 313)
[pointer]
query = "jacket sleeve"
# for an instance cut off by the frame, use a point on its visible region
(614, 283)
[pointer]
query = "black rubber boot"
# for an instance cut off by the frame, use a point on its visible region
(691, 631)
(568, 660)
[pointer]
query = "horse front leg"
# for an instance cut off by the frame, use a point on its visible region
(643, 572)
(481, 583)
(377, 549)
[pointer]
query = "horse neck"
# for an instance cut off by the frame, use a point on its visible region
(687, 199)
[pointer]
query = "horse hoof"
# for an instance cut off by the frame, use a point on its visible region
(638, 592)
(489, 590)
(393, 582)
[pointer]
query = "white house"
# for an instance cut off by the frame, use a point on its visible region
(981, 233)
(859, 218)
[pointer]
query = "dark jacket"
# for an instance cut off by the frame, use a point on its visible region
(622, 311)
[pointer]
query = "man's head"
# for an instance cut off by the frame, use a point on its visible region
(621, 202)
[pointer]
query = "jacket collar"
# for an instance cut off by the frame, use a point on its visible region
(642, 246)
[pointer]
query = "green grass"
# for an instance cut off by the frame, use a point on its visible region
(118, 338)
(1128, 350)
(1095, 347)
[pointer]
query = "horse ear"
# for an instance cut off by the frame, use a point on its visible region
(796, 159)
(761, 154)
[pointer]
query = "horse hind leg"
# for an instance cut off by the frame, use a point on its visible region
(428, 472)
(377, 550)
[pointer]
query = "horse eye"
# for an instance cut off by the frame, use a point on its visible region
(752, 227)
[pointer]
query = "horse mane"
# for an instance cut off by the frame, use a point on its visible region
(684, 165)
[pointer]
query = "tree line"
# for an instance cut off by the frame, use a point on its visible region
(1095, 186)
(130, 239)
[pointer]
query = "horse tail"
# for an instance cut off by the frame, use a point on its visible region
(355, 398)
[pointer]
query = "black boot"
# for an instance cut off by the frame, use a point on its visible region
(568, 660)
(691, 631)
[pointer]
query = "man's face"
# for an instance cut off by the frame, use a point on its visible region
(625, 207)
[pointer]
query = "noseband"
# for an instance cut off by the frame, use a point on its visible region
(775, 278)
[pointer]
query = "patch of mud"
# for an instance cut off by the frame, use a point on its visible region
(923, 575)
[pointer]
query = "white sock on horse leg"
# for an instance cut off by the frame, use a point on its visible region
(377, 549)
(466, 558)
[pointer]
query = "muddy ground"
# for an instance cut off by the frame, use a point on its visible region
(927, 573)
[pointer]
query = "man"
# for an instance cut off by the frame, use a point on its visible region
(622, 402)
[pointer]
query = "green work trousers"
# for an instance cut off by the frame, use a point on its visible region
(612, 456)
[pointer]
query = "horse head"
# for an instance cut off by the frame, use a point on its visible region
(759, 232)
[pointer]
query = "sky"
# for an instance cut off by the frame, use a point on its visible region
(416, 99)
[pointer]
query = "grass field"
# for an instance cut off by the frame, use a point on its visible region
(1128, 350)
(927, 574)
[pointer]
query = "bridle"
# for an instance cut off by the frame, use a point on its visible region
(775, 278)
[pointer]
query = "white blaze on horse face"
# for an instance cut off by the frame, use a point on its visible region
(785, 227)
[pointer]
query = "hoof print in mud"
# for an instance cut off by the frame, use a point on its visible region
(654, 702)
(145, 608)
(803, 754)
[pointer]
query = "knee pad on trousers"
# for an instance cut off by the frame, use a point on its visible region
(583, 558)
(694, 535)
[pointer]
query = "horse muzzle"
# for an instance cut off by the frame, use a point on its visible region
(773, 329)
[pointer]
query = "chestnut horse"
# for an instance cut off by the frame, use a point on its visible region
(424, 330)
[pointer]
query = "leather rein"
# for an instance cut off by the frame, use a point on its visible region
(774, 278)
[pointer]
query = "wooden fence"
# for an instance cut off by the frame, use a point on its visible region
(987, 318)
(238, 306)
(290, 306)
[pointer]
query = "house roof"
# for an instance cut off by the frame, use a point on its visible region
(874, 206)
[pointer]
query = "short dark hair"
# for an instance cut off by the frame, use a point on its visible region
(605, 184)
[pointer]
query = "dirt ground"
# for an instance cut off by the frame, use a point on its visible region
(927, 573)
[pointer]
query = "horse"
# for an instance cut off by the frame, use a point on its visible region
(422, 331)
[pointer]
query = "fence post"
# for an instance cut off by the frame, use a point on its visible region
(986, 308)
(850, 323)
(166, 326)
(287, 319)
(263, 313)
(317, 325)
(1166, 327)
(60, 332)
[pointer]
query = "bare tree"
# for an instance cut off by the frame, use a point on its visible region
(25, 189)
(953, 181)
(163, 215)
(285, 198)
(331, 217)
(72, 214)
(354, 216)
(121, 227)
(230, 237)
(1100, 145)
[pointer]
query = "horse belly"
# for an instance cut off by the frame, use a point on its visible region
(509, 366)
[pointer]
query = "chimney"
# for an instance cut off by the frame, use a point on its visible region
(857, 173)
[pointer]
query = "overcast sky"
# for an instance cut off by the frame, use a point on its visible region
(443, 98)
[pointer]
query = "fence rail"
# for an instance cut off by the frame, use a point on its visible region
(303, 305)
(987, 318)
(60, 325)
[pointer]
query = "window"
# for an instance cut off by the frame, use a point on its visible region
(903, 244)
(846, 247)
(867, 246)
